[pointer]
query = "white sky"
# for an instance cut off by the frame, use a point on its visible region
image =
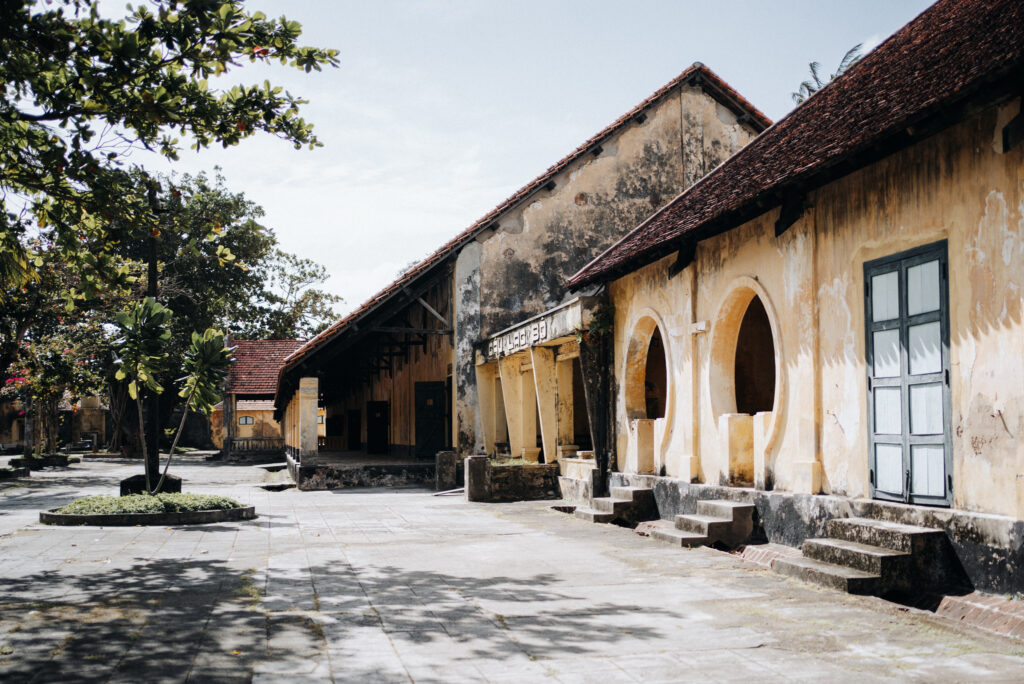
(440, 110)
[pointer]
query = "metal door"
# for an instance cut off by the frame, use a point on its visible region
(430, 418)
(378, 421)
(355, 429)
(909, 407)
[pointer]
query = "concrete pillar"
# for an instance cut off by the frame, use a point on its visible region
(545, 383)
(477, 478)
(564, 416)
(512, 393)
(762, 464)
(528, 395)
(641, 456)
(309, 395)
(737, 431)
(485, 377)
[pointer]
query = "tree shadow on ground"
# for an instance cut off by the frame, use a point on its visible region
(181, 619)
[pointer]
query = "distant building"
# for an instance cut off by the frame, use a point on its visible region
(244, 420)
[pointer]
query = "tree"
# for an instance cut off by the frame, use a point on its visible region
(82, 91)
(816, 83)
(288, 306)
(143, 357)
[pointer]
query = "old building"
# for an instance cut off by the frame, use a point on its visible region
(409, 374)
(244, 420)
(831, 322)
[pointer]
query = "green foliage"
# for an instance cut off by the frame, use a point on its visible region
(141, 354)
(141, 503)
(207, 362)
(82, 92)
(600, 325)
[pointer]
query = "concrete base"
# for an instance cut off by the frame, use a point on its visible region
(487, 482)
(136, 484)
(336, 476)
(986, 550)
(449, 473)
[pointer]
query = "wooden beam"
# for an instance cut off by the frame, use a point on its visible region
(687, 253)
(792, 210)
(413, 331)
(1013, 132)
(444, 321)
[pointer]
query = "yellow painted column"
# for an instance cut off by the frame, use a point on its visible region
(485, 378)
(529, 412)
(309, 391)
(545, 383)
(564, 415)
(512, 393)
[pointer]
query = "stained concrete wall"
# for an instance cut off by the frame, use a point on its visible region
(520, 269)
(954, 186)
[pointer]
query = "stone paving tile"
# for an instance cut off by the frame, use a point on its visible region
(399, 586)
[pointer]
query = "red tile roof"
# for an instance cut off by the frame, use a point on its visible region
(934, 65)
(696, 73)
(257, 363)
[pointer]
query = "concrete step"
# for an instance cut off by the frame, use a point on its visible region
(608, 504)
(706, 525)
(889, 564)
(718, 508)
(888, 535)
(670, 535)
(594, 516)
(828, 575)
(634, 494)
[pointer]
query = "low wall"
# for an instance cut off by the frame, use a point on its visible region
(487, 482)
(987, 551)
(316, 477)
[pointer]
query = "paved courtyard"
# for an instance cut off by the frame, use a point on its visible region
(403, 586)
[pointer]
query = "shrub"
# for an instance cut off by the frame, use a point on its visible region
(142, 503)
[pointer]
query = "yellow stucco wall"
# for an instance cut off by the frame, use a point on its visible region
(954, 186)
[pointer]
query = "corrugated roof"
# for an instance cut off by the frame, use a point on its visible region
(948, 54)
(696, 73)
(257, 364)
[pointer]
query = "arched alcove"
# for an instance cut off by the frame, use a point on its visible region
(646, 383)
(754, 368)
(655, 378)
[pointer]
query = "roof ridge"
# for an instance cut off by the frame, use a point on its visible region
(510, 202)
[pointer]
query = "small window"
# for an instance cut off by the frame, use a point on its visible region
(245, 420)
(319, 420)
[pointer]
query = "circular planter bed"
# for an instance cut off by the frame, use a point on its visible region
(129, 519)
(138, 509)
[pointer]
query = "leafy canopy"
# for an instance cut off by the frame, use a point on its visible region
(82, 91)
(141, 353)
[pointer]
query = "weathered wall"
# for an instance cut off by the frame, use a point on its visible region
(520, 270)
(953, 186)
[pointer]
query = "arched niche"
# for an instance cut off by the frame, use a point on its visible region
(746, 355)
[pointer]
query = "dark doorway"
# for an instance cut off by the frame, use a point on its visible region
(355, 428)
(655, 377)
(755, 361)
(429, 416)
(377, 423)
(580, 422)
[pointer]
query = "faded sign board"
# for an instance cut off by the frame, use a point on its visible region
(560, 322)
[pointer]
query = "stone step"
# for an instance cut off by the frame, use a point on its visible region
(888, 535)
(594, 516)
(706, 525)
(635, 494)
(585, 454)
(892, 565)
(608, 504)
(670, 535)
(828, 575)
(718, 508)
